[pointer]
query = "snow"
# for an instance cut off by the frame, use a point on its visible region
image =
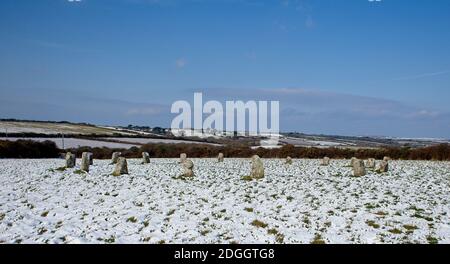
(307, 142)
(157, 140)
(302, 203)
(56, 128)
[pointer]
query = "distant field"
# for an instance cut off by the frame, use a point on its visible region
(156, 140)
(56, 128)
(310, 143)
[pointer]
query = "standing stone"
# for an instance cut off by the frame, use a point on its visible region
(257, 168)
(220, 157)
(325, 161)
(352, 161)
(145, 158)
(85, 161)
(358, 168)
(288, 160)
(70, 160)
(183, 157)
(121, 167)
(382, 167)
(91, 158)
(188, 166)
(115, 157)
(370, 163)
(387, 159)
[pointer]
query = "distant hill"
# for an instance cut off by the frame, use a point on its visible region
(130, 135)
(11, 127)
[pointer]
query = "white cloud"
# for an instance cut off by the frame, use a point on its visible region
(335, 103)
(424, 75)
(425, 114)
(309, 22)
(180, 63)
(145, 111)
(61, 46)
(250, 55)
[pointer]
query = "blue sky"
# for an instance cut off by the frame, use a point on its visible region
(350, 67)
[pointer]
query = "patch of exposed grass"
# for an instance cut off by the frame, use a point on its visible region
(410, 227)
(247, 178)
(416, 209)
(205, 232)
(171, 212)
(79, 172)
(181, 177)
(318, 240)
(381, 213)
(132, 219)
(42, 230)
(109, 240)
(258, 223)
(371, 206)
(44, 214)
(138, 204)
(395, 231)
(372, 224)
(432, 240)
(427, 218)
(272, 231)
(250, 210)
(279, 238)
(59, 224)
(306, 220)
(61, 168)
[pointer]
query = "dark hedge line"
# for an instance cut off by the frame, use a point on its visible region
(438, 152)
(48, 149)
(28, 149)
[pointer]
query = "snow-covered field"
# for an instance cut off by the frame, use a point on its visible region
(157, 140)
(57, 128)
(299, 203)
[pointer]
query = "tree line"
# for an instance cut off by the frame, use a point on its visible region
(48, 149)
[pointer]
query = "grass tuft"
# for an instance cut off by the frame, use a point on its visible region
(395, 231)
(132, 219)
(318, 240)
(247, 178)
(258, 223)
(372, 224)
